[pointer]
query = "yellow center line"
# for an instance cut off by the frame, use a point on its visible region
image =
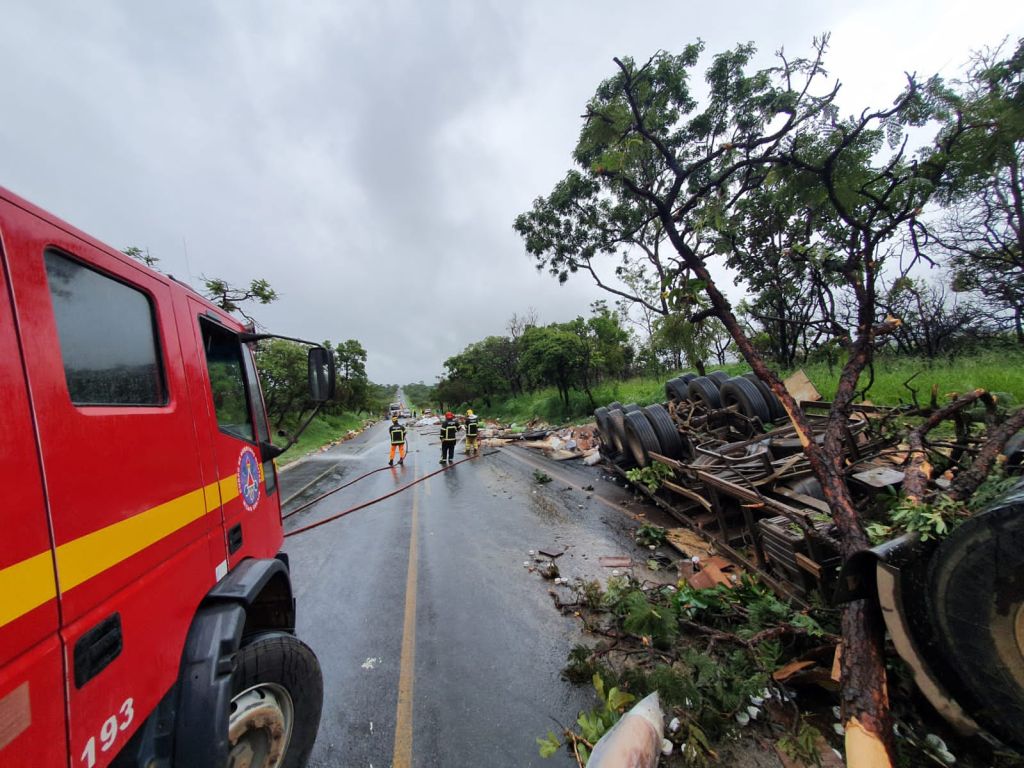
(403, 717)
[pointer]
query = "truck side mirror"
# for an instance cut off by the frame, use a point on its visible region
(321, 375)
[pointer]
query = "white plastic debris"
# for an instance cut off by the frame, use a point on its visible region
(753, 712)
(652, 547)
(838, 728)
(615, 572)
(633, 742)
(938, 747)
(839, 715)
(666, 747)
(673, 724)
(757, 701)
(531, 553)
(526, 563)
(742, 718)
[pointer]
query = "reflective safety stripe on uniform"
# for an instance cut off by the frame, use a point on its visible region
(397, 436)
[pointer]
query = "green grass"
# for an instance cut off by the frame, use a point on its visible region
(996, 371)
(322, 430)
(999, 372)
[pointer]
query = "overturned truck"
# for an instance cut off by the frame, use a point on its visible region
(725, 461)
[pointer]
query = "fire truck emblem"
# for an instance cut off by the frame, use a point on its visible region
(248, 477)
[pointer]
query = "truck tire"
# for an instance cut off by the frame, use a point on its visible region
(630, 407)
(778, 413)
(604, 430)
(640, 438)
(617, 430)
(705, 390)
(665, 429)
(277, 693)
(675, 389)
(615, 405)
(741, 392)
(975, 599)
(719, 377)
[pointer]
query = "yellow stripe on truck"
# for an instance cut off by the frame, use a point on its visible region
(30, 583)
(26, 585)
(85, 557)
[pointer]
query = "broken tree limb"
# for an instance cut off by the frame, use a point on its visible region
(968, 480)
(919, 470)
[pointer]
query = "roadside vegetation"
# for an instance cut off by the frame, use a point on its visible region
(896, 381)
(860, 238)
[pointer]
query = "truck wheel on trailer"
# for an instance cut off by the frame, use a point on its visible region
(675, 389)
(778, 413)
(640, 437)
(277, 691)
(719, 377)
(705, 390)
(617, 428)
(975, 600)
(743, 393)
(670, 442)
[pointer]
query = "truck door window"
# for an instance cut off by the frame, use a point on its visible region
(108, 338)
(262, 427)
(227, 381)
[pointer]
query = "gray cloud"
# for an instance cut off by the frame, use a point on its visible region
(369, 159)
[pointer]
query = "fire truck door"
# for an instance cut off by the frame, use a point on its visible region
(123, 481)
(237, 421)
(32, 724)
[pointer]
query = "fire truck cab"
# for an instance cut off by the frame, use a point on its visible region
(146, 612)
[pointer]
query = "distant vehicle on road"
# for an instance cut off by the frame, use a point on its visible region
(405, 413)
(393, 409)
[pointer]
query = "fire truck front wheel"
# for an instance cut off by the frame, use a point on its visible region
(277, 693)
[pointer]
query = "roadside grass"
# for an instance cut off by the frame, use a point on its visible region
(998, 371)
(322, 430)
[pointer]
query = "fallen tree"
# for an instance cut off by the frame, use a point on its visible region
(648, 153)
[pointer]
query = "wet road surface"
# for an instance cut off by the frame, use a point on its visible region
(438, 647)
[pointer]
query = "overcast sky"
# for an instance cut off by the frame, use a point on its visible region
(368, 159)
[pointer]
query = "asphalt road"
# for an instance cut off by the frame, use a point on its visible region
(438, 647)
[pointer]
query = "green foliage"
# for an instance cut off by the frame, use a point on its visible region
(747, 608)
(648, 535)
(642, 618)
(233, 299)
(549, 745)
(992, 488)
(324, 429)
(284, 380)
(352, 385)
(939, 517)
(710, 688)
(592, 724)
(541, 478)
(650, 476)
(141, 255)
(930, 521)
(802, 744)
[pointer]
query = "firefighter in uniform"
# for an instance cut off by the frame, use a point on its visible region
(397, 433)
(472, 428)
(449, 433)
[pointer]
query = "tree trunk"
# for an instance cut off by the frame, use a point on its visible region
(865, 700)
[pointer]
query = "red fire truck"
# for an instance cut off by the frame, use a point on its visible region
(146, 612)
